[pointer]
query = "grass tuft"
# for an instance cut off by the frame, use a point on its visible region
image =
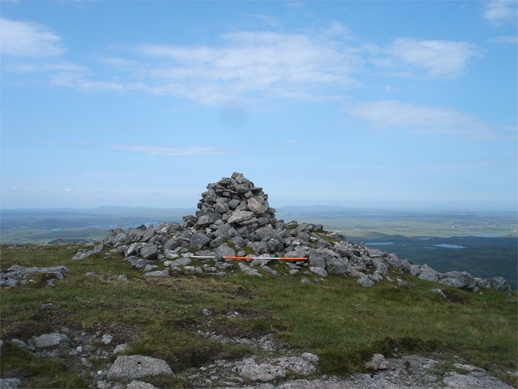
(343, 323)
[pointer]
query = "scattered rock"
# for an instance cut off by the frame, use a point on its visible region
(120, 348)
(404, 283)
(365, 281)
(260, 372)
(318, 270)
(378, 362)
(473, 381)
(439, 292)
(297, 365)
(139, 385)
(457, 279)
(136, 366)
(249, 271)
(107, 339)
(313, 358)
(10, 383)
(10, 277)
(469, 368)
(158, 273)
(49, 340)
(86, 363)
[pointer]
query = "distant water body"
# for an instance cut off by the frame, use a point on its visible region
(449, 246)
(442, 245)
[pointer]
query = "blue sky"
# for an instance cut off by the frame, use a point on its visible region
(378, 104)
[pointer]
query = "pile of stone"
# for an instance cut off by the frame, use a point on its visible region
(235, 201)
(19, 274)
(234, 218)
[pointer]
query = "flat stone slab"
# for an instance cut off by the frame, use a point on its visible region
(136, 366)
(240, 216)
(49, 340)
(261, 372)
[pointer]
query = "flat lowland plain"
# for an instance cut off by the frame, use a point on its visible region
(484, 244)
(341, 322)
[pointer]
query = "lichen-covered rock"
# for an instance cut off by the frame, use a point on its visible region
(415, 270)
(158, 273)
(149, 251)
(260, 372)
(316, 258)
(249, 271)
(297, 365)
(240, 216)
(49, 340)
(224, 251)
(365, 281)
(10, 383)
(198, 240)
(136, 366)
(139, 385)
(461, 280)
(428, 274)
(378, 362)
(498, 284)
(318, 270)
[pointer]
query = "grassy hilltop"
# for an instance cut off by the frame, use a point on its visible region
(343, 323)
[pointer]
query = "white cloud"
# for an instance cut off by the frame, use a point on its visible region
(390, 114)
(62, 66)
(438, 58)
(499, 12)
(506, 39)
(26, 39)
(266, 19)
(170, 151)
(272, 64)
(78, 81)
(295, 5)
(252, 67)
(337, 29)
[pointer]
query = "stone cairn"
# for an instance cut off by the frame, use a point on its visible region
(235, 219)
(233, 202)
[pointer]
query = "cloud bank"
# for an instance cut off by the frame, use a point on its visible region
(27, 39)
(246, 66)
(416, 118)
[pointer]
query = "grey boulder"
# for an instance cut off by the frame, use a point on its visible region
(261, 372)
(49, 340)
(199, 240)
(136, 366)
(428, 274)
(249, 271)
(462, 280)
(365, 281)
(240, 216)
(149, 251)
